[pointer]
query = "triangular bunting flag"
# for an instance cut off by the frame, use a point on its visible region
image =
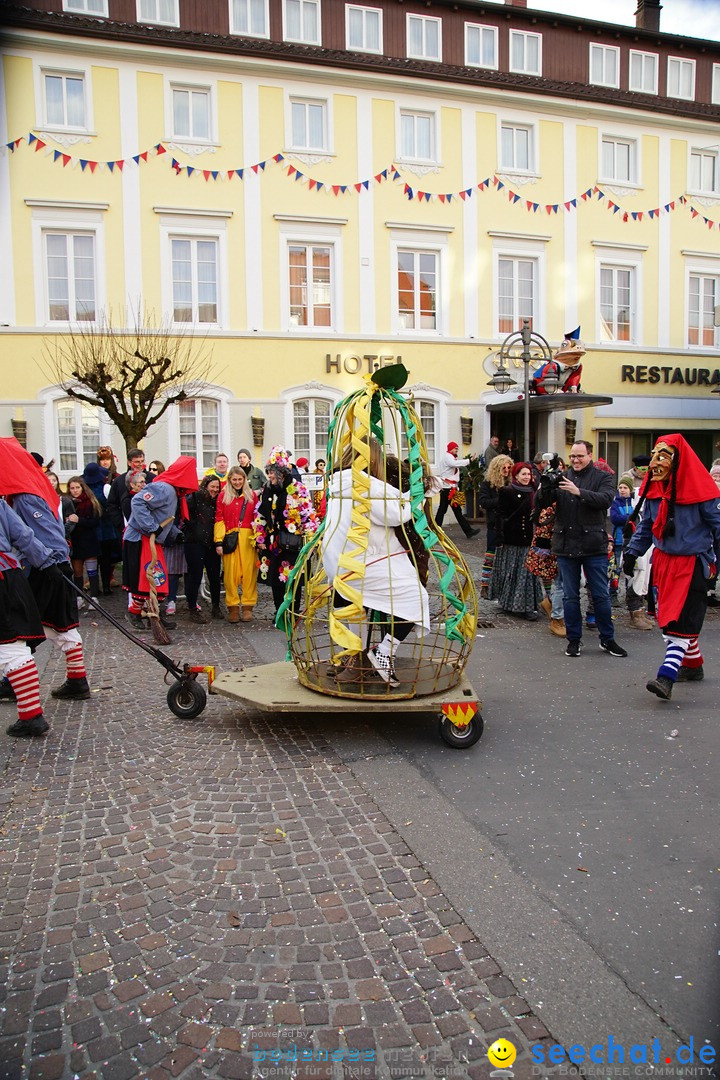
(31, 139)
(190, 169)
(66, 159)
(160, 149)
(206, 173)
(239, 173)
(278, 158)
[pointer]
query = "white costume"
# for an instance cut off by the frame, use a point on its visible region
(391, 582)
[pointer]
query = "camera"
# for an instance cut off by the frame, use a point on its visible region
(553, 473)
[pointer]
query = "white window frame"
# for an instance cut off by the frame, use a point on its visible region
(312, 233)
(194, 225)
(482, 29)
(605, 52)
(175, 21)
(610, 257)
(525, 37)
(432, 115)
(683, 64)
(715, 86)
(633, 145)
(424, 21)
(306, 101)
(531, 131)
(84, 453)
(303, 4)
(311, 285)
(517, 317)
(702, 153)
(364, 11)
(710, 270)
(50, 397)
(181, 237)
(49, 216)
(250, 33)
(64, 125)
(512, 246)
(203, 462)
(74, 68)
(644, 58)
(82, 7)
(308, 391)
(314, 448)
(210, 392)
(191, 138)
(431, 241)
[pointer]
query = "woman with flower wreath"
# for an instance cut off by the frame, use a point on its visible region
(284, 516)
(234, 541)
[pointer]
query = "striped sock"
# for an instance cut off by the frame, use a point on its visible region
(75, 663)
(26, 684)
(693, 657)
(487, 569)
(675, 649)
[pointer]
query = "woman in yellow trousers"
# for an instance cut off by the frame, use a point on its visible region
(233, 518)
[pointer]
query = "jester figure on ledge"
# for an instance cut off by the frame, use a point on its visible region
(565, 365)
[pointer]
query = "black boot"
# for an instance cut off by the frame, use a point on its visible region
(29, 728)
(94, 585)
(691, 674)
(75, 689)
(660, 685)
(6, 691)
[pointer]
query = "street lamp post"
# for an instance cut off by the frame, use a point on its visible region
(529, 347)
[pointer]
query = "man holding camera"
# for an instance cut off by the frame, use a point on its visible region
(580, 542)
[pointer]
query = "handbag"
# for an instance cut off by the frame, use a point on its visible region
(230, 542)
(290, 541)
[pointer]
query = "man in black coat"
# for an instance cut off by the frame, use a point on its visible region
(580, 540)
(118, 500)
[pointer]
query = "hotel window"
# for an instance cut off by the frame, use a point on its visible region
(481, 46)
(715, 92)
(70, 276)
(199, 429)
(311, 422)
(516, 148)
(703, 296)
(417, 136)
(617, 302)
(64, 100)
(424, 37)
(310, 272)
(302, 21)
(194, 279)
(704, 172)
(525, 52)
(605, 65)
(162, 12)
(308, 120)
(618, 160)
(250, 17)
(78, 434)
(516, 291)
(191, 112)
(363, 29)
(87, 7)
(417, 289)
(427, 415)
(643, 74)
(680, 78)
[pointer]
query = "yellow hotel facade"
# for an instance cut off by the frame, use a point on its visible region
(313, 187)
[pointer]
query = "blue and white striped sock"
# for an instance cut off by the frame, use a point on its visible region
(675, 649)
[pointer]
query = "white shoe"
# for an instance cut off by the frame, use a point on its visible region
(170, 607)
(384, 667)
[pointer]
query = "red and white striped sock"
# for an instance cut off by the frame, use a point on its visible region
(136, 604)
(693, 657)
(26, 684)
(75, 663)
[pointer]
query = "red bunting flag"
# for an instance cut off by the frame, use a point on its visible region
(160, 149)
(39, 145)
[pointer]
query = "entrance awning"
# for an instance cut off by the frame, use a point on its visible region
(547, 403)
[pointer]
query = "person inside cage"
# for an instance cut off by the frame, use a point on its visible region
(386, 578)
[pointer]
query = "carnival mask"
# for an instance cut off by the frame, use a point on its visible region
(661, 461)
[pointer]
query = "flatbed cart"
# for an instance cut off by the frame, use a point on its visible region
(275, 688)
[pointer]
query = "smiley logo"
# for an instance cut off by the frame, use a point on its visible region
(502, 1054)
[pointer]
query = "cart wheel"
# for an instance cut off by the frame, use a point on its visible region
(461, 737)
(186, 699)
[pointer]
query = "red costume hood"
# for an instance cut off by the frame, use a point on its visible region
(693, 483)
(182, 475)
(20, 474)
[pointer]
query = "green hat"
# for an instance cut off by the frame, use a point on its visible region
(628, 480)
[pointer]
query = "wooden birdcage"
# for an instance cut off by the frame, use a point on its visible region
(379, 564)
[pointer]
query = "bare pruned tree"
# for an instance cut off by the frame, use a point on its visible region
(135, 374)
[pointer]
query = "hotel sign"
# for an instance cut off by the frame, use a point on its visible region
(354, 364)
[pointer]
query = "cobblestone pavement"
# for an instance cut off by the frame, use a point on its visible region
(184, 897)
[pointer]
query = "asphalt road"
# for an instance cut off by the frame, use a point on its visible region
(599, 804)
